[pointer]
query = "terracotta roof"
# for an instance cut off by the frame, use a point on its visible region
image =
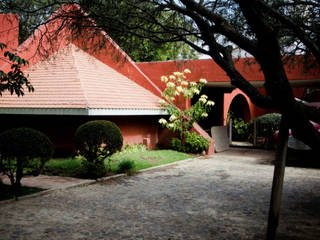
(47, 40)
(73, 79)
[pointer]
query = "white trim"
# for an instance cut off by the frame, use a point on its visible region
(82, 112)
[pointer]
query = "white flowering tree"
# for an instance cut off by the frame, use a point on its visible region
(181, 121)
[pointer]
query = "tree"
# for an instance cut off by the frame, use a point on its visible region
(14, 80)
(270, 31)
(33, 13)
(181, 121)
(22, 148)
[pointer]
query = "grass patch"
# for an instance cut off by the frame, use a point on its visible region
(147, 159)
(142, 159)
(70, 167)
(7, 193)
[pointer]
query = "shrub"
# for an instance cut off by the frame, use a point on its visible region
(22, 148)
(181, 121)
(96, 138)
(94, 170)
(134, 148)
(240, 129)
(193, 143)
(96, 141)
(127, 166)
(266, 126)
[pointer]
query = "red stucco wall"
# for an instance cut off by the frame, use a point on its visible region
(61, 129)
(9, 32)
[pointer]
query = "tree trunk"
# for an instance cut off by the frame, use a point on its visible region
(19, 174)
(278, 176)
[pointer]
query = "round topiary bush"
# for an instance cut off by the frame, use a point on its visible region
(98, 138)
(23, 148)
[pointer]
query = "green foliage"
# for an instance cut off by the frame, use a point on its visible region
(14, 80)
(139, 48)
(181, 121)
(64, 167)
(98, 138)
(193, 143)
(96, 141)
(134, 148)
(94, 170)
(142, 159)
(273, 119)
(23, 148)
(267, 125)
(176, 144)
(127, 166)
(240, 129)
(147, 159)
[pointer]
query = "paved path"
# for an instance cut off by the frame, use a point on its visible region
(45, 182)
(222, 197)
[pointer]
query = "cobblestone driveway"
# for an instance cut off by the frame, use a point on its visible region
(222, 197)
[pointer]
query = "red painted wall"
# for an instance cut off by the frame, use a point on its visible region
(9, 33)
(208, 69)
(61, 129)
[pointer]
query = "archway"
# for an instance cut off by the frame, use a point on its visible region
(241, 104)
(240, 107)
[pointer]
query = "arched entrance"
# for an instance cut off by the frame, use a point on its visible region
(240, 107)
(239, 104)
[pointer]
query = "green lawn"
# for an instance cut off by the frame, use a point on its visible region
(143, 159)
(70, 167)
(147, 159)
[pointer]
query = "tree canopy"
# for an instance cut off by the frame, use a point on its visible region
(271, 31)
(33, 13)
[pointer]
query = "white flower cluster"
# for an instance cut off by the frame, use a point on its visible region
(170, 84)
(164, 79)
(203, 81)
(210, 103)
(186, 70)
(203, 98)
(172, 118)
(162, 101)
(162, 121)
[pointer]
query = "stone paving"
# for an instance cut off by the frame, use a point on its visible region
(45, 182)
(222, 197)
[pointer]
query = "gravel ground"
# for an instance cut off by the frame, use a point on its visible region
(225, 196)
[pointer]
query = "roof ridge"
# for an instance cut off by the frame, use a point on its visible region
(87, 75)
(72, 49)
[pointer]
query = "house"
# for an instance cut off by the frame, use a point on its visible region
(73, 86)
(75, 83)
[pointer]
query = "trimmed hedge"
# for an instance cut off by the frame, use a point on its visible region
(96, 138)
(95, 141)
(25, 143)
